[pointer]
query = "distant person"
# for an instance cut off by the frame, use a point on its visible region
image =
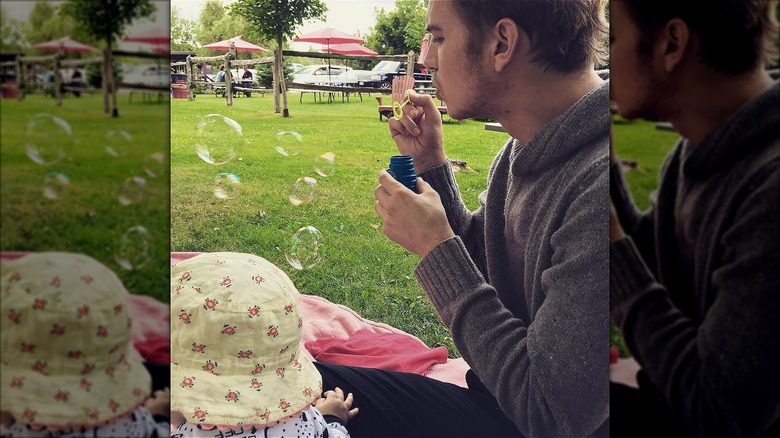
(220, 74)
(695, 279)
(69, 367)
(76, 80)
(237, 362)
(521, 282)
(246, 80)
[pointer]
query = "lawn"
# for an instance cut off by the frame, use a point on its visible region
(86, 215)
(359, 267)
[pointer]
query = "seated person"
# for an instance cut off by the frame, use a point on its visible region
(236, 356)
(246, 80)
(221, 74)
(74, 371)
(76, 80)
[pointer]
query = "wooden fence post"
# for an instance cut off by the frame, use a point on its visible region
(19, 80)
(188, 70)
(228, 78)
(57, 79)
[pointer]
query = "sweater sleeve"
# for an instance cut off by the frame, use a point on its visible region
(469, 226)
(550, 376)
(720, 375)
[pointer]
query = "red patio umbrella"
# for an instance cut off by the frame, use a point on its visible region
(67, 44)
(424, 46)
(157, 35)
(328, 36)
(349, 49)
(240, 44)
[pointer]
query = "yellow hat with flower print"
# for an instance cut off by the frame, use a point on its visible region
(67, 359)
(235, 342)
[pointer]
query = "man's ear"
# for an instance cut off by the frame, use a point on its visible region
(508, 38)
(675, 43)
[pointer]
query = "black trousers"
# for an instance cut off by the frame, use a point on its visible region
(638, 413)
(394, 404)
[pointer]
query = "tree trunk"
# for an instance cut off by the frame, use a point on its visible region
(282, 81)
(277, 87)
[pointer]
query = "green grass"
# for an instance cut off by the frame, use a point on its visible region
(640, 141)
(89, 219)
(359, 267)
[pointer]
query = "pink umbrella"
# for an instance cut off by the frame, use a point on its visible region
(152, 36)
(240, 44)
(67, 44)
(424, 46)
(349, 49)
(328, 36)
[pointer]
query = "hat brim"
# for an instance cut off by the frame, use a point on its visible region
(90, 399)
(200, 396)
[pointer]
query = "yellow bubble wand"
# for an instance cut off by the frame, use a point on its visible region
(398, 111)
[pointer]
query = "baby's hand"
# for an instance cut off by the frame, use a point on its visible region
(159, 403)
(334, 403)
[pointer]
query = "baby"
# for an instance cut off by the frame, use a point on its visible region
(68, 366)
(237, 367)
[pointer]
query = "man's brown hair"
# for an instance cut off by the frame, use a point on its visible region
(566, 35)
(735, 35)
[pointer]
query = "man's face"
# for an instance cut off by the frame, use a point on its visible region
(634, 84)
(457, 80)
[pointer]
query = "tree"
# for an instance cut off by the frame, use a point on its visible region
(47, 22)
(182, 32)
(398, 31)
(12, 36)
(107, 19)
(276, 20)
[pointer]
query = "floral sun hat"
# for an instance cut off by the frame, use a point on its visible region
(67, 359)
(235, 342)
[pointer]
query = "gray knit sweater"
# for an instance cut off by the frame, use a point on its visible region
(696, 288)
(523, 284)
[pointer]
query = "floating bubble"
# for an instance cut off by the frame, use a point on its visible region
(302, 190)
(118, 143)
(132, 191)
(219, 139)
(304, 251)
(288, 143)
(47, 139)
(154, 164)
(133, 250)
(227, 186)
(324, 164)
(56, 185)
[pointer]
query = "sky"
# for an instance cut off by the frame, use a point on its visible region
(351, 16)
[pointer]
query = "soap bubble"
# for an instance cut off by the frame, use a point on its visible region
(302, 190)
(56, 185)
(133, 250)
(132, 191)
(155, 165)
(304, 251)
(324, 164)
(118, 143)
(219, 139)
(288, 143)
(227, 186)
(47, 139)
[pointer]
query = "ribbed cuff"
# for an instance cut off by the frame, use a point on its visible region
(630, 278)
(446, 271)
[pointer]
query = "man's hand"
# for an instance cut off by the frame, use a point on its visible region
(334, 403)
(416, 222)
(419, 132)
